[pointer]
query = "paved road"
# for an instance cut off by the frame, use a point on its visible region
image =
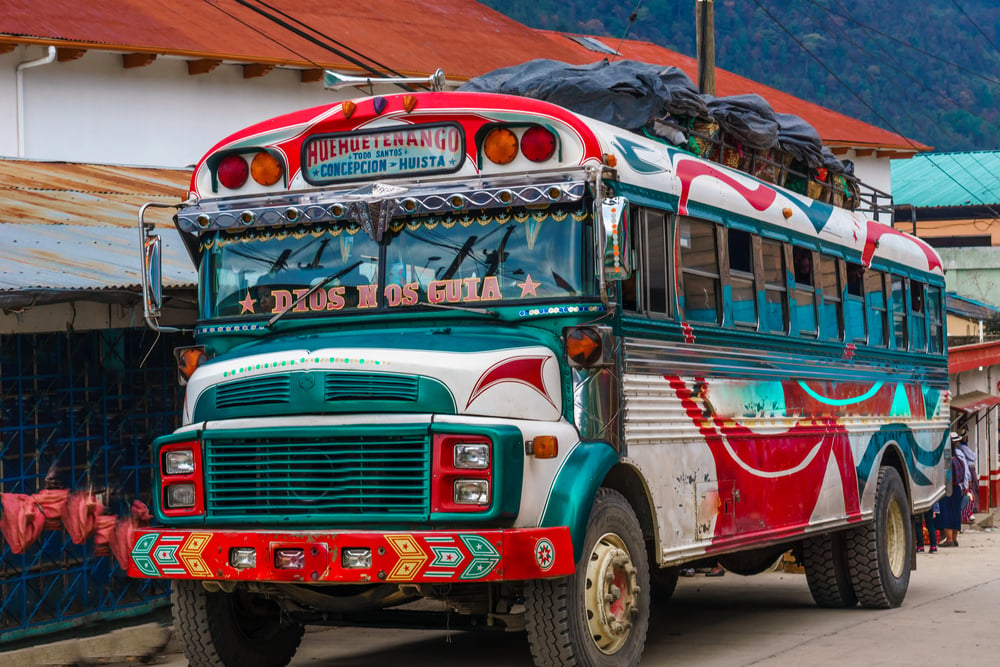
(767, 620)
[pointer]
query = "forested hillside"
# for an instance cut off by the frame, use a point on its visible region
(928, 69)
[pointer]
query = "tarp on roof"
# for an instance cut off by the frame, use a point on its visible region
(974, 401)
(624, 93)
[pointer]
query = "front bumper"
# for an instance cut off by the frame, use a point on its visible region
(403, 557)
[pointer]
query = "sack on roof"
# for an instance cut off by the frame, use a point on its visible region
(625, 93)
(748, 119)
(799, 139)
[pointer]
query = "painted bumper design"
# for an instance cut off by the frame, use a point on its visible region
(489, 555)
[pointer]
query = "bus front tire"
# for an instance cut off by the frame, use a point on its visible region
(598, 616)
(879, 553)
(827, 573)
(231, 629)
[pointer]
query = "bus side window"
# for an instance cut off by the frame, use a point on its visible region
(831, 314)
(854, 308)
(876, 308)
(628, 289)
(656, 265)
(934, 320)
(918, 317)
(805, 290)
(741, 278)
(700, 270)
(899, 319)
(774, 315)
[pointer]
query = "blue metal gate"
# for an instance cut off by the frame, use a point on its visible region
(80, 409)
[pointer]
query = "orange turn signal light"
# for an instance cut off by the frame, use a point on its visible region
(500, 145)
(265, 168)
(188, 361)
(545, 446)
(583, 346)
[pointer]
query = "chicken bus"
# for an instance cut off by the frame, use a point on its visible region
(477, 360)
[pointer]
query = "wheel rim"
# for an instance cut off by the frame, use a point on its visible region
(612, 593)
(895, 539)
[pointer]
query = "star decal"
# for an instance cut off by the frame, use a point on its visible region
(529, 286)
(247, 304)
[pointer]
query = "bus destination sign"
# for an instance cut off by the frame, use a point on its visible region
(400, 151)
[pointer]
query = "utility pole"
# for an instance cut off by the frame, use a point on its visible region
(705, 24)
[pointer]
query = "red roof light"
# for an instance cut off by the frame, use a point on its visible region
(233, 171)
(538, 144)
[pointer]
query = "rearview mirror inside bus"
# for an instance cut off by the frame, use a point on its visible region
(617, 238)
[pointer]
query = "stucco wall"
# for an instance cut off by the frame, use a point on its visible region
(973, 272)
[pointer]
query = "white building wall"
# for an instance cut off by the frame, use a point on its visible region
(94, 110)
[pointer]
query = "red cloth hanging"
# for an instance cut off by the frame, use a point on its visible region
(79, 515)
(51, 502)
(124, 532)
(22, 521)
(103, 534)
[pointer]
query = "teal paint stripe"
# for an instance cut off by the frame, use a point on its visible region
(912, 453)
(841, 401)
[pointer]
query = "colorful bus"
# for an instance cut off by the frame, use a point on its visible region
(473, 356)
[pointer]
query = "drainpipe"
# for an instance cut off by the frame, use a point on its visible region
(44, 60)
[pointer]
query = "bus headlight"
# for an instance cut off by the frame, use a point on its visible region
(472, 456)
(472, 492)
(179, 495)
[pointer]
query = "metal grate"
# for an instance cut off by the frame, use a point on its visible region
(267, 390)
(372, 386)
(77, 411)
(347, 477)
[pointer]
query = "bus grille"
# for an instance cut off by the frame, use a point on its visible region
(373, 386)
(269, 390)
(345, 478)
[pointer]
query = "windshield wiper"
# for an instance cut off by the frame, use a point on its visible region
(310, 291)
(468, 309)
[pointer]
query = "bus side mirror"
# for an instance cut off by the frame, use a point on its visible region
(152, 283)
(617, 238)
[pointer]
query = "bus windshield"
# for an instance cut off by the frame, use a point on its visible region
(488, 258)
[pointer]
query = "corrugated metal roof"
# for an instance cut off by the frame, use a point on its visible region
(834, 128)
(83, 257)
(947, 179)
(86, 194)
(66, 228)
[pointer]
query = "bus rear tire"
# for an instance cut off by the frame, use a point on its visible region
(599, 615)
(231, 629)
(827, 573)
(880, 553)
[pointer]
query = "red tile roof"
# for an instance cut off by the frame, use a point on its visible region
(411, 37)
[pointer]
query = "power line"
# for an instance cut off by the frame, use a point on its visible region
(896, 40)
(975, 25)
(905, 110)
(858, 97)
